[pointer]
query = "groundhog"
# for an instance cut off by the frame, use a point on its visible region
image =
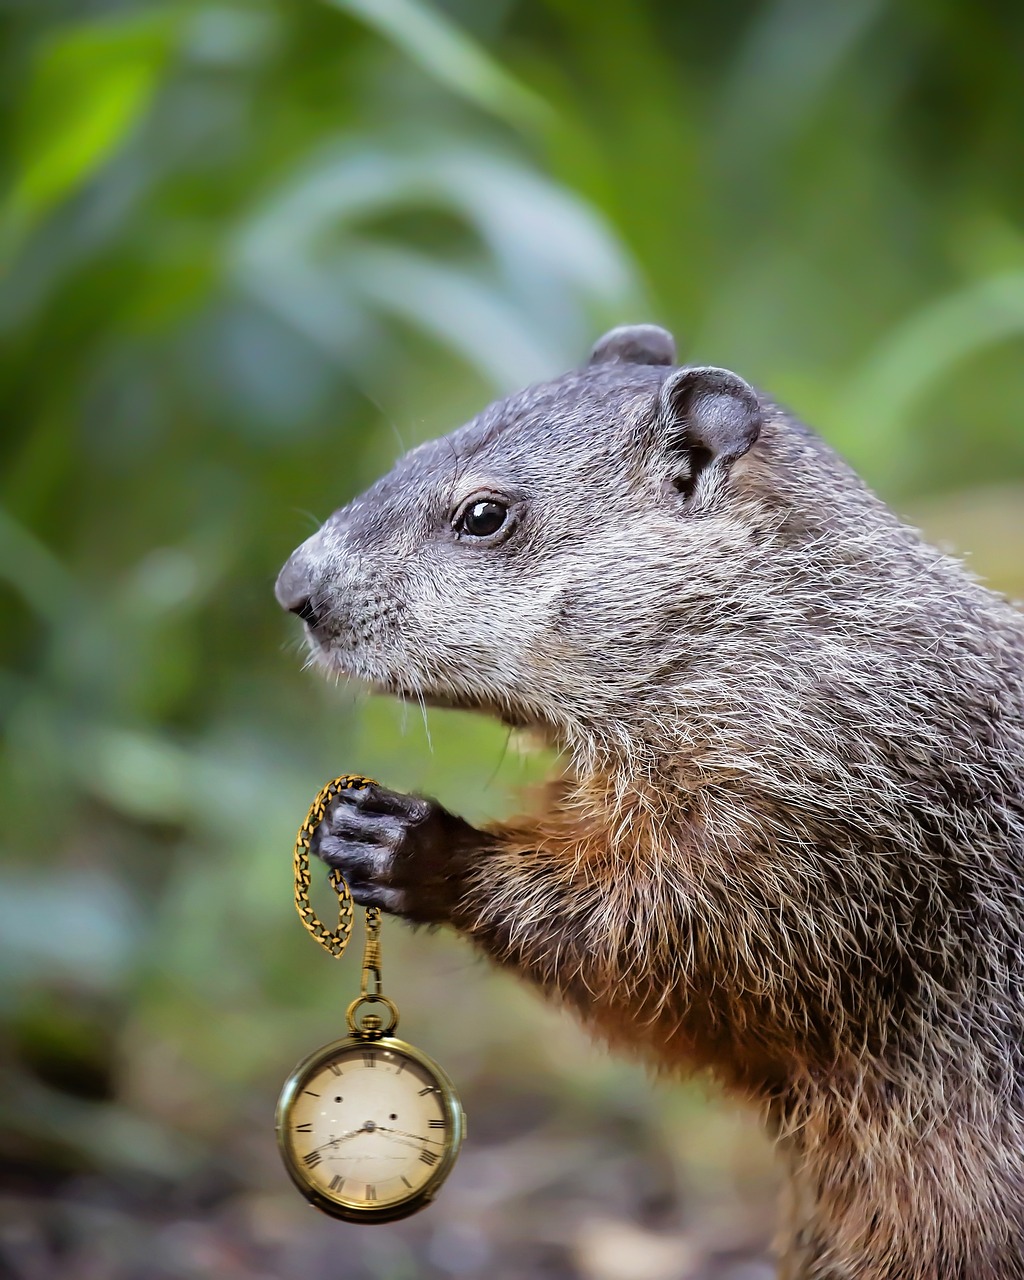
(786, 841)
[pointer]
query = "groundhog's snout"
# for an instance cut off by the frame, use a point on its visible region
(295, 586)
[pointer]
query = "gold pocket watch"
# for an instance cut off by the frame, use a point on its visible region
(368, 1126)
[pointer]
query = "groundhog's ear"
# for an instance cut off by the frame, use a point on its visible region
(635, 344)
(711, 411)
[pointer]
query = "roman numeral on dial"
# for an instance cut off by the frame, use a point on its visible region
(428, 1157)
(369, 1059)
(303, 1128)
(312, 1159)
(337, 1182)
(371, 1192)
(435, 1124)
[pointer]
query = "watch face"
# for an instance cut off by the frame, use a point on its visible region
(369, 1129)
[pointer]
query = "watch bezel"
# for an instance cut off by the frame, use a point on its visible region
(416, 1200)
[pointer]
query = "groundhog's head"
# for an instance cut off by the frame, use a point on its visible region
(533, 563)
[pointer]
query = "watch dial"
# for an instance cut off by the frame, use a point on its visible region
(368, 1126)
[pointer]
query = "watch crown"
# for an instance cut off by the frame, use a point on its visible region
(371, 1023)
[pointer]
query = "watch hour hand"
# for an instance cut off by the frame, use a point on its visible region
(342, 1137)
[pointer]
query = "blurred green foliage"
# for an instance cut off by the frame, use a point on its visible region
(251, 250)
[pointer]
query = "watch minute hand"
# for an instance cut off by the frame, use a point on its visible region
(401, 1133)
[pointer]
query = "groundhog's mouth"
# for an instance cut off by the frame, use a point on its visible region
(326, 656)
(444, 702)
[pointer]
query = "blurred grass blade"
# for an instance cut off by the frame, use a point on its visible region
(90, 85)
(790, 56)
(450, 56)
(471, 317)
(34, 572)
(530, 222)
(913, 359)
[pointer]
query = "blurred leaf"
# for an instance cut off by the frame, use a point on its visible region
(33, 570)
(553, 272)
(85, 925)
(437, 45)
(453, 306)
(784, 64)
(89, 86)
(919, 354)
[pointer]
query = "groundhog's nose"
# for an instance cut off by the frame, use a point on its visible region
(294, 589)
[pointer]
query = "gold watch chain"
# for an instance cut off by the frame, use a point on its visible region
(334, 941)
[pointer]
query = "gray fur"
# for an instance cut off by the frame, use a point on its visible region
(789, 840)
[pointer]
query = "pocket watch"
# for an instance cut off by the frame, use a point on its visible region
(368, 1126)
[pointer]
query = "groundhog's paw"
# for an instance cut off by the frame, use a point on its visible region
(398, 852)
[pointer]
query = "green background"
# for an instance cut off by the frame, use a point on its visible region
(251, 250)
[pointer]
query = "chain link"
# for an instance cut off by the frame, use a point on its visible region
(335, 940)
(370, 986)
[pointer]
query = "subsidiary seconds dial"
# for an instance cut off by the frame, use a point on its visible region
(369, 1128)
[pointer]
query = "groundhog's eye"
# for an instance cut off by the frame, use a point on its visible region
(481, 519)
